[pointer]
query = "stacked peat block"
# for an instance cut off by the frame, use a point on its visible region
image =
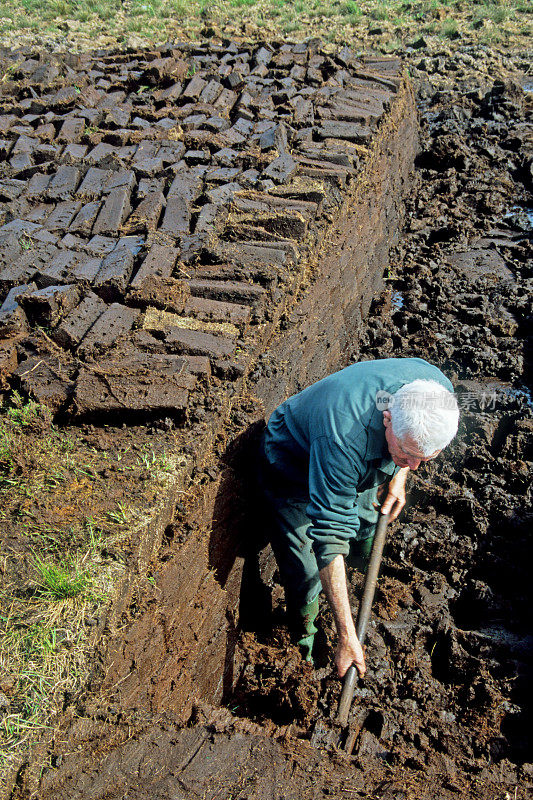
(157, 208)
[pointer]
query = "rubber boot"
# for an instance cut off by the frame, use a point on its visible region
(303, 626)
(360, 554)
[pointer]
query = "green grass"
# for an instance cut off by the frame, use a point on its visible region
(59, 561)
(121, 515)
(450, 29)
(59, 581)
(25, 412)
(164, 20)
(352, 10)
(39, 662)
(494, 12)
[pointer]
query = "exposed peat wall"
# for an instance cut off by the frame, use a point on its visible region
(177, 646)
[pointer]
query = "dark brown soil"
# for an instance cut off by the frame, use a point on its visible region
(443, 712)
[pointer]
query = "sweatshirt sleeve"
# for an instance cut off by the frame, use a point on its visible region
(334, 475)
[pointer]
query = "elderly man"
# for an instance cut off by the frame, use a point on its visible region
(326, 456)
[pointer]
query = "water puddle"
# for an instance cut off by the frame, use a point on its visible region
(521, 394)
(528, 87)
(397, 300)
(520, 217)
(522, 645)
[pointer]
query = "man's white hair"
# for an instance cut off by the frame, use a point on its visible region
(427, 412)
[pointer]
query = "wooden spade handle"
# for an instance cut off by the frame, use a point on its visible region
(363, 614)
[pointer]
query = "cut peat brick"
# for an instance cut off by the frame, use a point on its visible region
(198, 365)
(11, 188)
(78, 323)
(228, 291)
(98, 395)
(84, 220)
(47, 380)
(116, 321)
(37, 185)
(101, 245)
(40, 213)
(256, 201)
(100, 154)
(86, 270)
(64, 183)
(48, 306)
(93, 184)
(24, 270)
(149, 186)
(259, 253)
(352, 131)
(59, 269)
(168, 294)
(166, 68)
(195, 86)
(135, 382)
(281, 169)
(217, 311)
(121, 179)
(12, 317)
(146, 215)
(74, 153)
(177, 218)
(186, 185)
(290, 224)
(159, 262)
(113, 213)
(183, 340)
(71, 130)
(115, 272)
(62, 215)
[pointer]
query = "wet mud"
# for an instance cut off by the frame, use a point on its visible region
(443, 711)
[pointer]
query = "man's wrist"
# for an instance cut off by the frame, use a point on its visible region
(347, 632)
(401, 477)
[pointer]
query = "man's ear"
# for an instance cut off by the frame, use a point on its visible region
(387, 418)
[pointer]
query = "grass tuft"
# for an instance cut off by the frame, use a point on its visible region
(25, 413)
(450, 29)
(352, 10)
(59, 582)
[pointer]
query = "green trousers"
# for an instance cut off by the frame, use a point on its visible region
(287, 525)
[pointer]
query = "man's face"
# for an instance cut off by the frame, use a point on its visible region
(404, 453)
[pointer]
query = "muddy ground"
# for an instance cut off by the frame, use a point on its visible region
(443, 712)
(447, 692)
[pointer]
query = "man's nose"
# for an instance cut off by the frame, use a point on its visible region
(414, 463)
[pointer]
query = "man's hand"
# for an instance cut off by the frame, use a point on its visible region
(349, 651)
(395, 500)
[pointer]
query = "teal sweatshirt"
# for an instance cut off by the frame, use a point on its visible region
(328, 442)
